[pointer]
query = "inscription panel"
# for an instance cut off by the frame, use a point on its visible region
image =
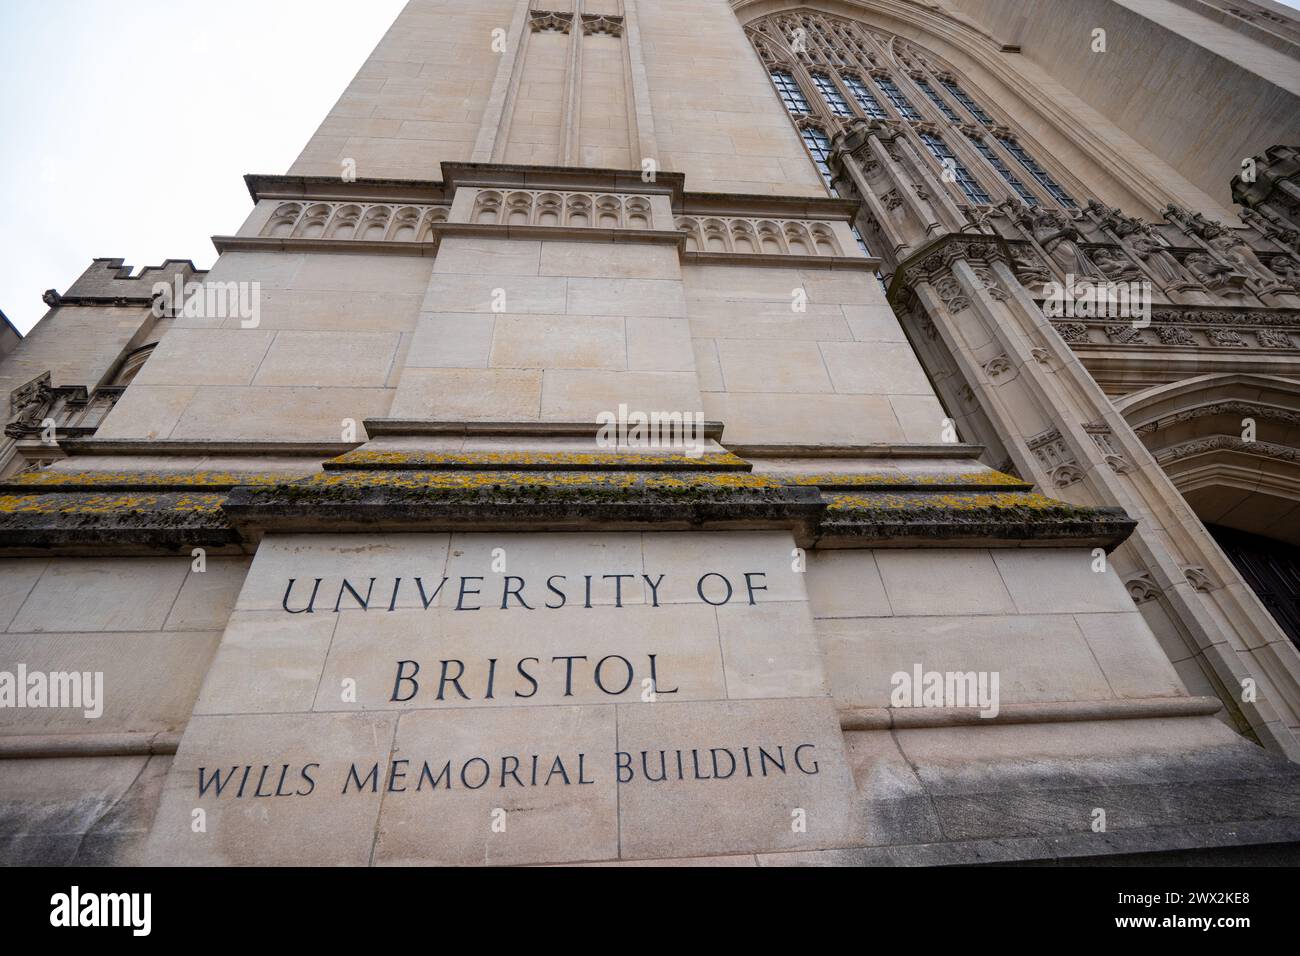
(523, 699)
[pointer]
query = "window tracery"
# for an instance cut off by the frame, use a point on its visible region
(832, 73)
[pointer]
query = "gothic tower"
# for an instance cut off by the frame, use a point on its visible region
(846, 431)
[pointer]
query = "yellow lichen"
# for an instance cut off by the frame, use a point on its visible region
(961, 480)
(107, 503)
(947, 502)
(190, 479)
(518, 459)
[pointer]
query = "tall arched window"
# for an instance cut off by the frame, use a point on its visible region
(831, 94)
(791, 95)
(866, 100)
(1027, 161)
(962, 97)
(896, 97)
(942, 105)
(889, 79)
(819, 146)
(994, 160)
(948, 160)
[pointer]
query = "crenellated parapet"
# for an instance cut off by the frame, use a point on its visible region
(111, 281)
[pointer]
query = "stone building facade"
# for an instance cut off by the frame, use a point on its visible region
(741, 432)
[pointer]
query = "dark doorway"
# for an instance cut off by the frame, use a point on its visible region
(1272, 569)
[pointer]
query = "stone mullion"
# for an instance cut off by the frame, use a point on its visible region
(818, 109)
(494, 128)
(850, 163)
(1018, 350)
(571, 108)
(968, 368)
(970, 157)
(937, 188)
(641, 129)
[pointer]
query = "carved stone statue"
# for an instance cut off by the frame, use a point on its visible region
(1115, 220)
(1237, 251)
(1152, 252)
(30, 404)
(1287, 269)
(1028, 266)
(1060, 240)
(1212, 273)
(1116, 266)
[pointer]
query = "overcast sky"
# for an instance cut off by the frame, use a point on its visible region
(126, 127)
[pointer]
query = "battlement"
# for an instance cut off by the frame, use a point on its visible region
(112, 279)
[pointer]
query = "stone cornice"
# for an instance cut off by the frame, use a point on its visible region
(1211, 409)
(935, 260)
(767, 207)
(1230, 443)
(954, 450)
(563, 179)
(160, 512)
(404, 427)
(224, 244)
(855, 263)
(170, 448)
(417, 191)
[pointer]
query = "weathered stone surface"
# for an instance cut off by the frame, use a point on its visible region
(246, 824)
(789, 772)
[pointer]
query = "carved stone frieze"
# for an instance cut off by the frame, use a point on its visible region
(1235, 408)
(1056, 458)
(740, 236)
(354, 221)
(997, 366)
(597, 24)
(1203, 446)
(1174, 335)
(1141, 588)
(550, 21)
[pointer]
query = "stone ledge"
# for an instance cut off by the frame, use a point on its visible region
(886, 718)
(49, 482)
(363, 460)
(401, 427)
(166, 512)
(41, 746)
(885, 519)
(1250, 839)
(378, 247)
(153, 522)
(900, 481)
(525, 501)
(851, 263)
(165, 447)
(564, 178)
(795, 450)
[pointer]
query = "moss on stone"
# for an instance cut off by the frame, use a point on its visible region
(614, 461)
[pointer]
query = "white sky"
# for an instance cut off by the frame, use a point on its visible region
(126, 127)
